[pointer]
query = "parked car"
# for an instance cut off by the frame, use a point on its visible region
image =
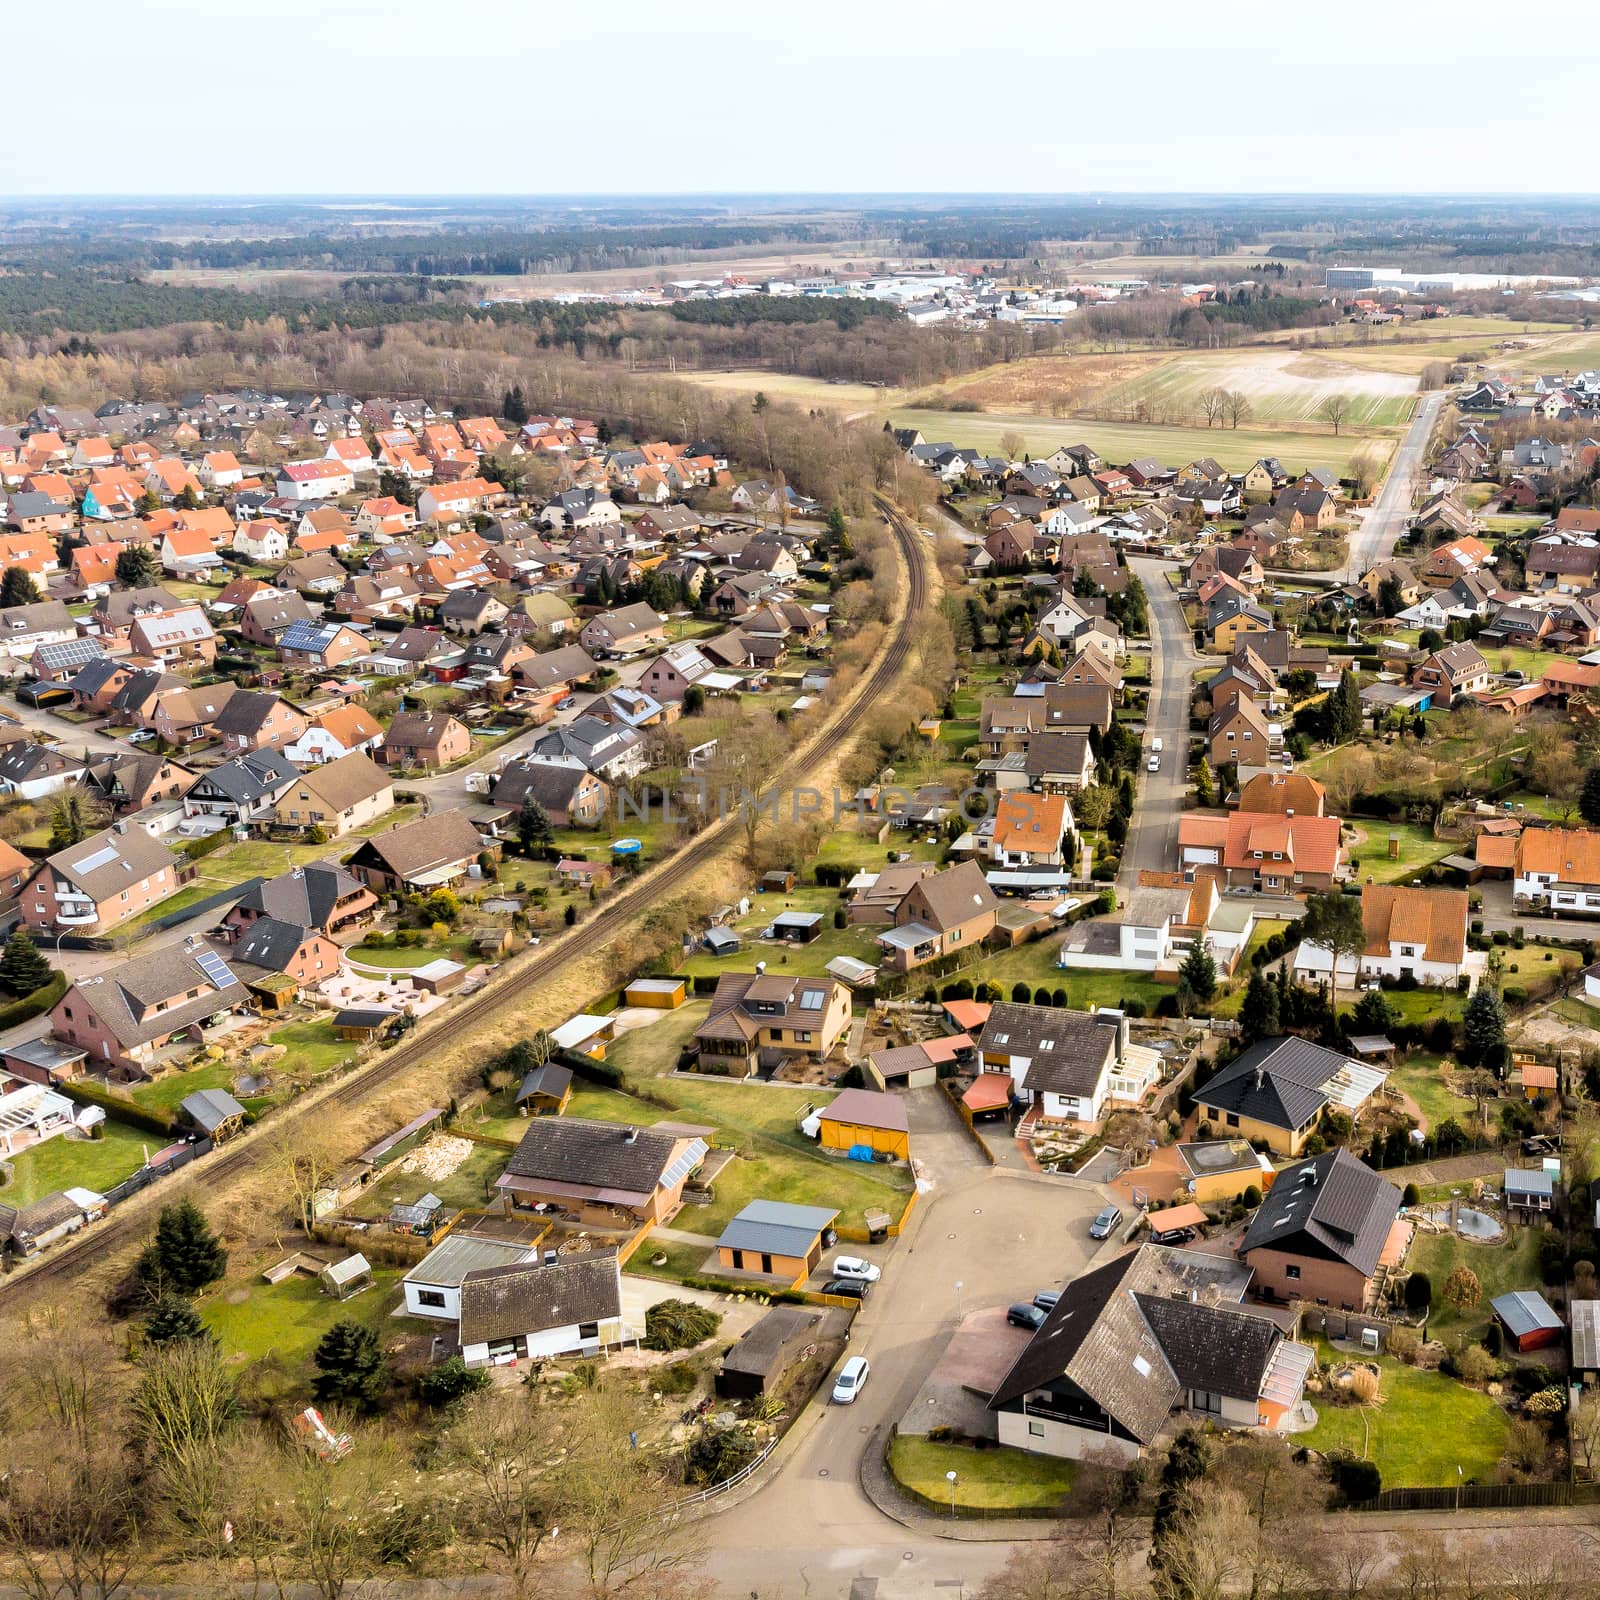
(566, 702)
(1153, 764)
(1105, 1224)
(1514, 675)
(1025, 1314)
(848, 1288)
(1156, 744)
(855, 1267)
(1046, 1299)
(851, 1380)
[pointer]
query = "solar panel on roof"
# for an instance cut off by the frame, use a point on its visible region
(102, 857)
(812, 999)
(214, 967)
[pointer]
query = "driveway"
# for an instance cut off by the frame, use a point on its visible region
(1152, 837)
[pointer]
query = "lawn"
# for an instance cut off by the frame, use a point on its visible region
(469, 1188)
(1120, 442)
(986, 1480)
(312, 1048)
(165, 1093)
(1415, 845)
(279, 1325)
(401, 958)
(785, 960)
(683, 1260)
(65, 1162)
(1035, 963)
(653, 1049)
(1500, 1269)
(1424, 1428)
(844, 846)
(1419, 1076)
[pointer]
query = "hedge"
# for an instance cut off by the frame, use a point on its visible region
(35, 1004)
(90, 1093)
(203, 846)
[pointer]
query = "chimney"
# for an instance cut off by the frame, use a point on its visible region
(630, 1136)
(120, 826)
(1261, 1077)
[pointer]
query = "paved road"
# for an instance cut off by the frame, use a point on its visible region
(1382, 525)
(1003, 1235)
(1173, 662)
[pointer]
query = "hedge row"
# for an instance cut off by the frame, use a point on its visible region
(89, 1093)
(35, 1004)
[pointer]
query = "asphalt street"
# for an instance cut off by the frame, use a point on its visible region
(1380, 529)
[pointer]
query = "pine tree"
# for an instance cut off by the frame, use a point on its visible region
(22, 968)
(514, 407)
(1483, 1032)
(1205, 788)
(1258, 1015)
(69, 822)
(174, 1319)
(185, 1255)
(187, 499)
(350, 1366)
(136, 566)
(17, 587)
(533, 825)
(1373, 1013)
(1589, 797)
(1199, 971)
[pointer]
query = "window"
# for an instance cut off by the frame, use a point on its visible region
(588, 1330)
(1205, 1400)
(1292, 1272)
(431, 1297)
(1233, 1119)
(1035, 1429)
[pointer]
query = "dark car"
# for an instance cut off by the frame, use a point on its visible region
(847, 1288)
(1046, 1299)
(1025, 1314)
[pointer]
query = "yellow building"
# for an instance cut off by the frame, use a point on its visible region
(663, 994)
(1236, 627)
(1222, 1169)
(861, 1117)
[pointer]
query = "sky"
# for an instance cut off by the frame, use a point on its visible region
(774, 96)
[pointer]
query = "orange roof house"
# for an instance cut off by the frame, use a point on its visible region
(1284, 793)
(1557, 866)
(1433, 920)
(1029, 828)
(170, 476)
(212, 521)
(94, 563)
(33, 552)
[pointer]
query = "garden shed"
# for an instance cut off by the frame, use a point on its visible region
(344, 1278)
(1528, 1319)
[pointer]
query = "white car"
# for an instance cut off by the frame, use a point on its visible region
(1153, 764)
(855, 1267)
(1155, 744)
(851, 1381)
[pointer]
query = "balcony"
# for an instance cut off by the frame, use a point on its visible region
(76, 913)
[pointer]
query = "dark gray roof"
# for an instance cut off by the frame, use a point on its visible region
(777, 1227)
(271, 944)
(1221, 1349)
(552, 1079)
(532, 1296)
(1281, 1082)
(1331, 1206)
(125, 998)
(246, 711)
(597, 1155)
(362, 1017)
(305, 896)
(1067, 1050)
(553, 786)
(246, 779)
(208, 1109)
(764, 1343)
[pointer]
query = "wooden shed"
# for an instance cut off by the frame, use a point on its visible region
(661, 994)
(362, 1024)
(757, 1363)
(546, 1091)
(861, 1120)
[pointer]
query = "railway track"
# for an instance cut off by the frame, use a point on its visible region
(674, 873)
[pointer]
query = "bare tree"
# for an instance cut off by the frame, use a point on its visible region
(1207, 1553)
(186, 1395)
(504, 1448)
(1334, 409)
(1013, 445)
(1239, 407)
(1214, 405)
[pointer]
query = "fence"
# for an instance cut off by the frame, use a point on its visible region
(720, 1488)
(964, 1117)
(1344, 1324)
(146, 1175)
(1483, 1497)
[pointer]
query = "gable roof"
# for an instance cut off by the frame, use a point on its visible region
(1433, 919)
(617, 1160)
(535, 1296)
(1330, 1205)
(1066, 1051)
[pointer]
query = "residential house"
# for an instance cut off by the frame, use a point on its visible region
(1284, 794)
(100, 882)
(331, 734)
(1322, 1232)
(257, 720)
(315, 480)
(24, 628)
(271, 950)
(1271, 854)
(243, 790)
(611, 750)
(381, 520)
(182, 637)
(1073, 1065)
(624, 632)
(1238, 732)
(320, 895)
(321, 646)
(1030, 831)
(571, 796)
(124, 1018)
(1411, 932)
(1557, 869)
(430, 853)
(424, 739)
(1154, 1339)
(939, 914)
(535, 1309)
(337, 798)
(595, 1170)
(1275, 1093)
(1457, 669)
(756, 1020)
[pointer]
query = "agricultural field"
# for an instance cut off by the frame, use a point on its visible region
(799, 389)
(1234, 448)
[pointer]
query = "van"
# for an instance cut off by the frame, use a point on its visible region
(1155, 744)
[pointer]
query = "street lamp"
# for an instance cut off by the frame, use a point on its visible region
(959, 1287)
(1458, 1487)
(951, 1478)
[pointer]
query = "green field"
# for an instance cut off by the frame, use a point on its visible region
(986, 1480)
(1423, 1429)
(65, 1163)
(1119, 442)
(1282, 387)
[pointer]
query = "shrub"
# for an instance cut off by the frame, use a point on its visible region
(1549, 1402)
(1492, 1339)
(1363, 1386)
(1411, 1195)
(1135, 1008)
(1251, 1197)
(1356, 1481)
(678, 1324)
(1515, 995)
(448, 1381)
(1462, 1289)
(1475, 1365)
(679, 1377)
(1419, 1292)
(1404, 1344)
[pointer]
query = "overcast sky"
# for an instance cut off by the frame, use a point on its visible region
(954, 96)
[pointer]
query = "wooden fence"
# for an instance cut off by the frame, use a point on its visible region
(1483, 1497)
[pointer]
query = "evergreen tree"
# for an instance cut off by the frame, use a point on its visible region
(22, 968)
(514, 406)
(1205, 788)
(694, 700)
(174, 1319)
(1483, 1032)
(1344, 710)
(1258, 1015)
(137, 567)
(1390, 599)
(1199, 971)
(185, 1255)
(1373, 1013)
(1589, 797)
(187, 499)
(350, 1366)
(17, 587)
(69, 822)
(1333, 923)
(533, 825)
